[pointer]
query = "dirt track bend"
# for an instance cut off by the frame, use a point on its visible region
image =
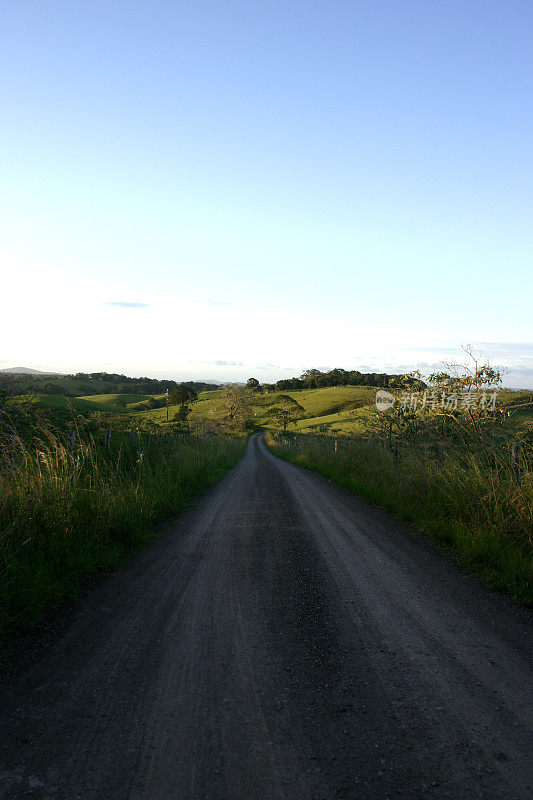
(282, 640)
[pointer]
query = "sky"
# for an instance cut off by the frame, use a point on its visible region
(215, 190)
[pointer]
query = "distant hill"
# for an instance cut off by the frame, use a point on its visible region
(27, 371)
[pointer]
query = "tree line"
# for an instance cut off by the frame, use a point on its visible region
(316, 379)
(104, 383)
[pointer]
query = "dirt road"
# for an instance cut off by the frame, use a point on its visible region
(282, 640)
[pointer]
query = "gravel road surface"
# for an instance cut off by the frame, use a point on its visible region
(282, 639)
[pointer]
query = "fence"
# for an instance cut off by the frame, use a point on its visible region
(513, 458)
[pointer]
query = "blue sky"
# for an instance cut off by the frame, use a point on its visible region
(214, 190)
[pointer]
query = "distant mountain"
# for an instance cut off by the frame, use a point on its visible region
(27, 371)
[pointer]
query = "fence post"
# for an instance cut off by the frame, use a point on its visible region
(132, 436)
(148, 439)
(72, 442)
(108, 439)
(515, 461)
(396, 450)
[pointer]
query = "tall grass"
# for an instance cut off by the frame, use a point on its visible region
(64, 516)
(480, 511)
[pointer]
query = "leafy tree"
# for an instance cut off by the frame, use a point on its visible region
(468, 393)
(286, 411)
(252, 384)
(237, 406)
(182, 394)
(289, 385)
(310, 378)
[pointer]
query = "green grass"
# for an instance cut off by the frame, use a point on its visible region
(62, 518)
(114, 398)
(336, 408)
(87, 404)
(335, 405)
(84, 405)
(343, 410)
(483, 515)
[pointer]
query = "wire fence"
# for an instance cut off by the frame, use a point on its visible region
(511, 457)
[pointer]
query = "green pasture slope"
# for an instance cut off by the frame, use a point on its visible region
(84, 405)
(88, 404)
(343, 410)
(115, 399)
(333, 407)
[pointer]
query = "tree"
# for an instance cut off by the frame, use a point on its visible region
(238, 409)
(310, 378)
(286, 411)
(289, 385)
(181, 394)
(468, 394)
(252, 384)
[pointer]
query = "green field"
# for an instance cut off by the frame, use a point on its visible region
(342, 406)
(121, 402)
(84, 405)
(343, 410)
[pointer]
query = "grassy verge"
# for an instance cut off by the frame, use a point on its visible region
(63, 517)
(483, 514)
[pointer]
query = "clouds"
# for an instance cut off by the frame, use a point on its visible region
(228, 363)
(126, 304)
(274, 366)
(507, 349)
(488, 349)
(519, 377)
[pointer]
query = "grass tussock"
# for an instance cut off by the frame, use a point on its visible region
(63, 516)
(483, 513)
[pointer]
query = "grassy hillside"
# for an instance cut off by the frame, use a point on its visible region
(85, 405)
(343, 410)
(331, 406)
(115, 399)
